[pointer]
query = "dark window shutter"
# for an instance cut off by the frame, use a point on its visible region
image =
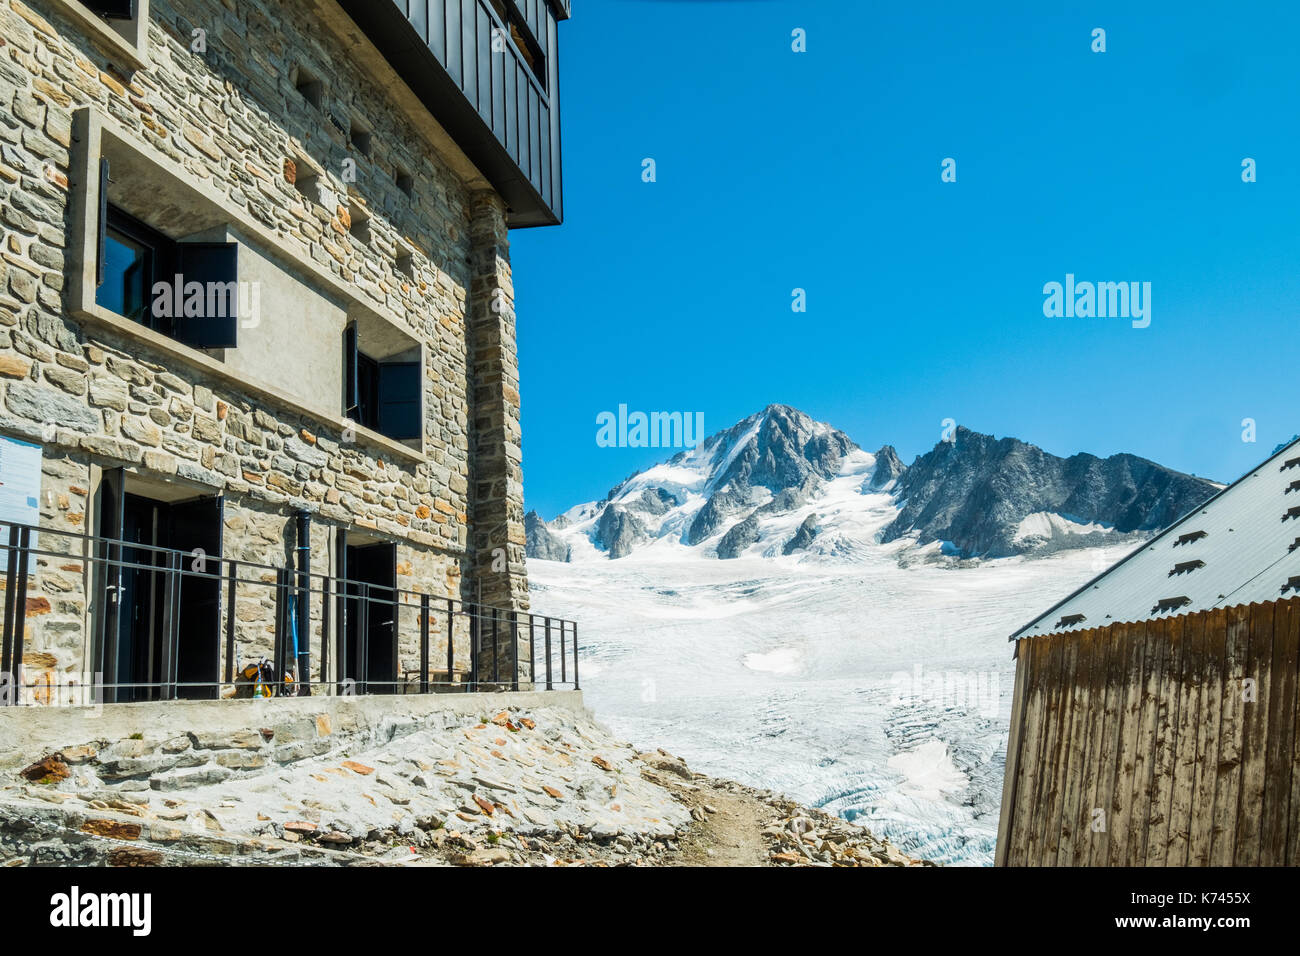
(399, 400)
(112, 9)
(351, 392)
(102, 225)
(367, 390)
(216, 266)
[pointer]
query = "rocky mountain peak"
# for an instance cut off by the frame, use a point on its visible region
(994, 497)
(888, 469)
(780, 482)
(542, 542)
(781, 448)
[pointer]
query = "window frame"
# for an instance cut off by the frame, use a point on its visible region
(167, 258)
(158, 250)
(127, 41)
(96, 136)
(366, 397)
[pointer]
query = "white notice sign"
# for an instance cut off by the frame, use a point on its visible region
(20, 488)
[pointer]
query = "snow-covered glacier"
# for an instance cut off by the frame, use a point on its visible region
(878, 691)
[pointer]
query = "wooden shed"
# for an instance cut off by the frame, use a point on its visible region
(1154, 718)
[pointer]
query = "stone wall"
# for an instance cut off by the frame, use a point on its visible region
(499, 542)
(57, 598)
(231, 118)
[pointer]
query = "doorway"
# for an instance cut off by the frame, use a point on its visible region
(155, 592)
(369, 654)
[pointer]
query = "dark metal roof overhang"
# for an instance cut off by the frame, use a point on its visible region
(511, 134)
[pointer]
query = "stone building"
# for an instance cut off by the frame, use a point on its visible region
(256, 304)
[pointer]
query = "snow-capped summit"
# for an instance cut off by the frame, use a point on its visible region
(780, 483)
(748, 484)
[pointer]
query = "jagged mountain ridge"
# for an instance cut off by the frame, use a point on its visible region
(781, 483)
(984, 495)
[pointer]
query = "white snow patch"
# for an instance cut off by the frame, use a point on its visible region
(783, 660)
(928, 771)
(1048, 525)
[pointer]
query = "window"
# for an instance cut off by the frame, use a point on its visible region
(185, 290)
(307, 183)
(405, 181)
(381, 393)
(133, 255)
(121, 27)
(358, 222)
(359, 137)
(521, 38)
(305, 176)
(404, 263)
(309, 86)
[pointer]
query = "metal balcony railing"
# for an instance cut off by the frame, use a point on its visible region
(63, 567)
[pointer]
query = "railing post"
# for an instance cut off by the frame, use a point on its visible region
(532, 652)
(394, 607)
(302, 593)
(451, 643)
(363, 640)
(496, 649)
(325, 634)
(475, 652)
(97, 566)
(15, 668)
(514, 650)
(341, 597)
(564, 669)
(110, 596)
(576, 685)
(11, 604)
(171, 623)
(277, 647)
(232, 581)
(549, 685)
(424, 643)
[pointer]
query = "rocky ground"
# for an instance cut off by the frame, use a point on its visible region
(730, 825)
(546, 787)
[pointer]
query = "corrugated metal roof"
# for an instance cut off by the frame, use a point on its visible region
(1240, 547)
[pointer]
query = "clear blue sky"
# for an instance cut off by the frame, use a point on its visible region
(821, 170)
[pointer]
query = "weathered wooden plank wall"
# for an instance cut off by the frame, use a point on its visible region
(1166, 742)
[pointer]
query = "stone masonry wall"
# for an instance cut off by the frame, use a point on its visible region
(232, 117)
(499, 541)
